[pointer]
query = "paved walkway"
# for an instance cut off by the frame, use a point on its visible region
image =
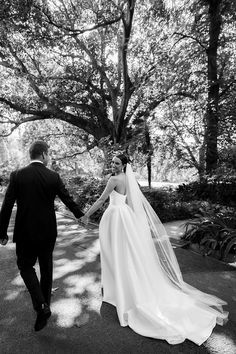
(81, 323)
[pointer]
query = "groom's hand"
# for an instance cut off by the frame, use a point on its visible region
(3, 241)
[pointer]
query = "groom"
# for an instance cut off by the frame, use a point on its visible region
(34, 189)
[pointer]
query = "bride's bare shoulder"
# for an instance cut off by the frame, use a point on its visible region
(114, 178)
(117, 179)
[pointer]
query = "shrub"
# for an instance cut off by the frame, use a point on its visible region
(217, 189)
(85, 191)
(4, 177)
(89, 191)
(166, 202)
(213, 231)
(168, 206)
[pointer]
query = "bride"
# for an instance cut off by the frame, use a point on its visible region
(140, 273)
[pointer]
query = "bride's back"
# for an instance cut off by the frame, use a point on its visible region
(121, 183)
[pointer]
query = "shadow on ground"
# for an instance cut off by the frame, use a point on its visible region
(80, 322)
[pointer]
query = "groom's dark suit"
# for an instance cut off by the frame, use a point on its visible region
(34, 189)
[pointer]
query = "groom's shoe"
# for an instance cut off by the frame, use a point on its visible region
(42, 317)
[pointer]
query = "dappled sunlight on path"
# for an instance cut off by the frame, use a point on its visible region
(76, 274)
(225, 343)
(175, 229)
(81, 322)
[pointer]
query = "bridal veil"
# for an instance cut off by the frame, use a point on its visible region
(151, 228)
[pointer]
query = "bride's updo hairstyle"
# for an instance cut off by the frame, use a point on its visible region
(124, 159)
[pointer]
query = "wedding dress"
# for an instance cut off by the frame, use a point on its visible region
(141, 276)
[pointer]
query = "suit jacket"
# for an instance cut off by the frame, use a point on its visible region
(34, 188)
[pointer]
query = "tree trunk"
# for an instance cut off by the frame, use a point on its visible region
(149, 151)
(213, 87)
(149, 168)
(201, 169)
(127, 86)
(4, 153)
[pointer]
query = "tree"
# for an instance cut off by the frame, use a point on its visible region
(180, 135)
(70, 62)
(212, 31)
(89, 63)
(106, 66)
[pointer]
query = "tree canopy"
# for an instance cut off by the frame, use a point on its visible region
(112, 67)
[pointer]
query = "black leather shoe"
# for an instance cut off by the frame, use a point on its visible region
(42, 317)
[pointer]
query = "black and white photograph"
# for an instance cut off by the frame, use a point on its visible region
(118, 176)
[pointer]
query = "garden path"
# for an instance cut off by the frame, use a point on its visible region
(81, 323)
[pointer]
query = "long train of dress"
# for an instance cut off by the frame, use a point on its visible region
(133, 281)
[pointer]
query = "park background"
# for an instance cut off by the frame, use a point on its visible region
(153, 79)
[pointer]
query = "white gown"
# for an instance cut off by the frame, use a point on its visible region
(133, 281)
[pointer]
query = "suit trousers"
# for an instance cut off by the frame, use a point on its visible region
(28, 252)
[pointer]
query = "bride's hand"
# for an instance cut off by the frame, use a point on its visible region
(84, 220)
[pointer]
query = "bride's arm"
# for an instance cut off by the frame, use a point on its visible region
(111, 184)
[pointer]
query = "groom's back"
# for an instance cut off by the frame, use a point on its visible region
(36, 184)
(36, 189)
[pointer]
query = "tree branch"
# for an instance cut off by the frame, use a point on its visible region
(54, 112)
(184, 94)
(99, 68)
(23, 110)
(183, 36)
(70, 30)
(29, 76)
(194, 161)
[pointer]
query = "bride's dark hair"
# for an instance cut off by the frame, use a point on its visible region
(124, 159)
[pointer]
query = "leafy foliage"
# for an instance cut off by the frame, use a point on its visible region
(219, 189)
(167, 206)
(213, 231)
(108, 68)
(85, 192)
(70, 62)
(87, 189)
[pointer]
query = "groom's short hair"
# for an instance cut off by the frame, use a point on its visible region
(38, 148)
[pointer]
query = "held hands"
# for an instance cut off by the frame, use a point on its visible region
(84, 220)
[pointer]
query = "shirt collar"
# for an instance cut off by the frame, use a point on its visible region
(32, 161)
